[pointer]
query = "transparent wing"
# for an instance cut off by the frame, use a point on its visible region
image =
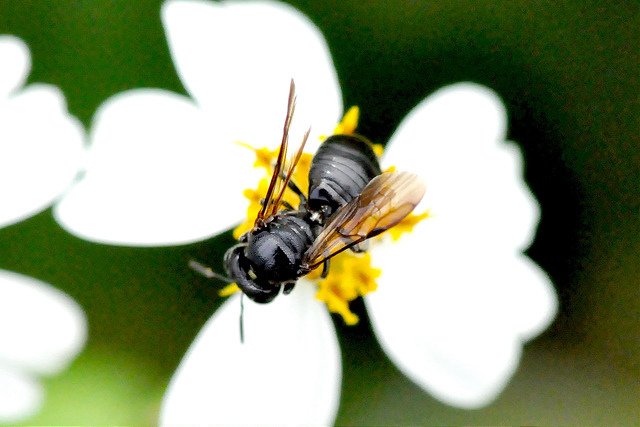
(276, 183)
(383, 203)
(289, 168)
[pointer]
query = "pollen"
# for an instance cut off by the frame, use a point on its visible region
(378, 149)
(266, 159)
(229, 290)
(350, 276)
(264, 156)
(254, 197)
(349, 122)
(406, 225)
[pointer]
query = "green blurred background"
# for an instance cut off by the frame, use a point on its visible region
(569, 75)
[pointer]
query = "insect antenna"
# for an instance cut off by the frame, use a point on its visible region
(242, 318)
(206, 271)
(293, 187)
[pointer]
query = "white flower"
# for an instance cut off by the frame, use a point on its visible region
(41, 332)
(41, 328)
(40, 143)
(457, 298)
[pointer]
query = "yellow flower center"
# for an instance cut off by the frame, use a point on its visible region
(349, 122)
(351, 275)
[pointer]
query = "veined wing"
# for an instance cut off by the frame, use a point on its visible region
(285, 165)
(383, 203)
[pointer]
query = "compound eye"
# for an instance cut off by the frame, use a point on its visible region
(239, 269)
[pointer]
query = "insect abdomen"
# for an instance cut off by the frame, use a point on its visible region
(342, 167)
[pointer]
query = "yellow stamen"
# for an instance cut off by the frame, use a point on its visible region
(406, 225)
(264, 156)
(254, 197)
(378, 149)
(390, 169)
(228, 290)
(266, 159)
(350, 275)
(349, 122)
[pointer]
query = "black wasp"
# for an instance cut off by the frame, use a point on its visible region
(349, 201)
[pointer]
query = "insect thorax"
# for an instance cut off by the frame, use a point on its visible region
(275, 251)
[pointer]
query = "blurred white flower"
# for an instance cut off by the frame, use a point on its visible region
(454, 306)
(41, 332)
(41, 328)
(41, 144)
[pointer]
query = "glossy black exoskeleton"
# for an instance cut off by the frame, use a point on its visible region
(349, 200)
(341, 168)
(272, 255)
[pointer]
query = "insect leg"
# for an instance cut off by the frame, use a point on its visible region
(293, 188)
(288, 287)
(287, 205)
(360, 247)
(325, 269)
(292, 185)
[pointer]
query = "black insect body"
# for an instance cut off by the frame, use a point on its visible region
(273, 254)
(349, 201)
(340, 169)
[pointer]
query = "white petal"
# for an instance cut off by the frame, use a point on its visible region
(455, 141)
(287, 371)
(454, 319)
(237, 58)
(157, 175)
(44, 329)
(534, 303)
(457, 298)
(16, 62)
(41, 147)
(20, 396)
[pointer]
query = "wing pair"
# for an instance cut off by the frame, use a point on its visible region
(383, 203)
(284, 166)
